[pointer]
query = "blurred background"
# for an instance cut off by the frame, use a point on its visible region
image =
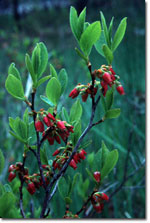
(23, 23)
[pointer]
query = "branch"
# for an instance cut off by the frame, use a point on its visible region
(21, 187)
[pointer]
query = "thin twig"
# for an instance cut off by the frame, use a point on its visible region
(21, 187)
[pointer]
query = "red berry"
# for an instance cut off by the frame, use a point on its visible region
(84, 97)
(56, 152)
(60, 125)
(47, 121)
(11, 176)
(70, 128)
(112, 71)
(120, 89)
(97, 176)
(105, 87)
(44, 166)
(76, 158)
(39, 126)
(107, 78)
(51, 116)
(104, 197)
(51, 140)
(31, 188)
(57, 139)
(11, 168)
(98, 207)
(82, 154)
(74, 93)
(73, 164)
(113, 77)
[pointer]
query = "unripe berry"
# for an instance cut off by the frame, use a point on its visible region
(31, 188)
(39, 126)
(11, 176)
(97, 176)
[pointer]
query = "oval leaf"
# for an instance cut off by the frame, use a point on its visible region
(14, 87)
(108, 54)
(119, 34)
(109, 164)
(63, 78)
(89, 37)
(76, 111)
(53, 90)
(112, 113)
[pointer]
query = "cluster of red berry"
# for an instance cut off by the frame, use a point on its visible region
(33, 181)
(84, 90)
(56, 128)
(61, 159)
(107, 78)
(98, 198)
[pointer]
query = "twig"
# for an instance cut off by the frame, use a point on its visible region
(56, 177)
(21, 187)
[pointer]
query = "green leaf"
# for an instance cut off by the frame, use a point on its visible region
(90, 174)
(43, 156)
(81, 21)
(36, 60)
(53, 90)
(105, 153)
(108, 54)
(109, 99)
(53, 71)
(14, 87)
(110, 31)
(26, 116)
(112, 113)
(75, 178)
(30, 68)
(81, 55)
(46, 100)
(77, 132)
(43, 59)
(90, 159)
(42, 80)
(105, 28)
(7, 188)
(63, 78)
(65, 115)
(74, 22)
(12, 123)
(103, 101)
(119, 34)
(89, 37)
(97, 161)
(13, 70)
(63, 188)
(110, 162)
(39, 59)
(17, 137)
(99, 43)
(20, 128)
(76, 111)
(2, 161)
